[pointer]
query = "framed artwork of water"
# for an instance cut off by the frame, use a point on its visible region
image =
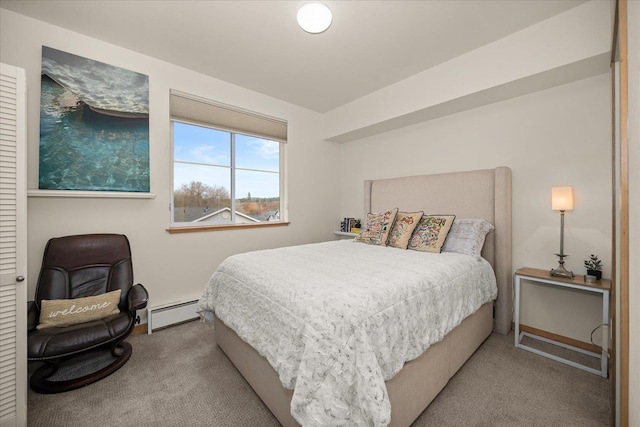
(94, 125)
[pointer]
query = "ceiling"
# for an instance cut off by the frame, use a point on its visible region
(258, 45)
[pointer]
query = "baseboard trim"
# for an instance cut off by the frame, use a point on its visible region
(139, 329)
(560, 338)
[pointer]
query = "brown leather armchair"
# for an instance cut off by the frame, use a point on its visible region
(75, 267)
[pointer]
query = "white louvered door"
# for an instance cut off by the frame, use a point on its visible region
(13, 251)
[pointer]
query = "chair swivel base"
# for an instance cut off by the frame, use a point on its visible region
(41, 384)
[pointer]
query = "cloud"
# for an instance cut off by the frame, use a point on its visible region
(203, 154)
(265, 149)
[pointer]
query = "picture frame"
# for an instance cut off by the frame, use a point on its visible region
(94, 126)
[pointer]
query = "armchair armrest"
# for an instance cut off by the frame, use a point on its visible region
(33, 315)
(137, 298)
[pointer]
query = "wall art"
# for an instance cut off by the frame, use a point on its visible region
(94, 125)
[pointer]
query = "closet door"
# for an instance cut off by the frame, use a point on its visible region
(13, 251)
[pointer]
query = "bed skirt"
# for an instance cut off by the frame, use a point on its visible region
(410, 391)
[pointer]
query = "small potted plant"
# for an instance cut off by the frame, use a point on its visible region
(594, 266)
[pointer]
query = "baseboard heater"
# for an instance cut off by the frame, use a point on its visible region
(171, 314)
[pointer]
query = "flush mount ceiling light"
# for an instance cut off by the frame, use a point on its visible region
(314, 18)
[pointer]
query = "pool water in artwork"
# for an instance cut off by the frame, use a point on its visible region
(81, 149)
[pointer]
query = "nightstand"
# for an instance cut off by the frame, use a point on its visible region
(536, 276)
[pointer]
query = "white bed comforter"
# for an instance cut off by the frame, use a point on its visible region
(338, 319)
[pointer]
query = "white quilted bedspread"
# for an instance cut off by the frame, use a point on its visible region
(338, 319)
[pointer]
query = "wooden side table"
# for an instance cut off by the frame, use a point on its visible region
(537, 276)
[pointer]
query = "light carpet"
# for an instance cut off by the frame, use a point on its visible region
(179, 377)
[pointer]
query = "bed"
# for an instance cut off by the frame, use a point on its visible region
(328, 383)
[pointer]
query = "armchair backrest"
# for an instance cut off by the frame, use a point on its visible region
(85, 265)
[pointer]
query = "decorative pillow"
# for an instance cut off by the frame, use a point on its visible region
(431, 232)
(467, 236)
(66, 312)
(377, 227)
(403, 229)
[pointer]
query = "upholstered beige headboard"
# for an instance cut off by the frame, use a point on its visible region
(482, 194)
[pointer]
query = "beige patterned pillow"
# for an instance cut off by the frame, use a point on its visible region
(403, 228)
(66, 312)
(377, 227)
(431, 232)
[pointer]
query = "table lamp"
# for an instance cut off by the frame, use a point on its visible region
(562, 200)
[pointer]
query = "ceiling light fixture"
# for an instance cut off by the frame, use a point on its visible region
(314, 18)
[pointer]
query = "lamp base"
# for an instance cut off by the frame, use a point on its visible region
(561, 272)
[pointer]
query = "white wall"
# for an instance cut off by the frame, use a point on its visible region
(556, 137)
(172, 267)
(574, 44)
(559, 136)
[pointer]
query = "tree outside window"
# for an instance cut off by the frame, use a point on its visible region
(224, 177)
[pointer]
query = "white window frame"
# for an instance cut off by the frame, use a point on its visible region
(178, 227)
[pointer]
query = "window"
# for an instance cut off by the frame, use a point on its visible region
(222, 175)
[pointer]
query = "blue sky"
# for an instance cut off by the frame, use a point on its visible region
(213, 148)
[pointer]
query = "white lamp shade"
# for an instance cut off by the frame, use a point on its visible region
(562, 198)
(314, 17)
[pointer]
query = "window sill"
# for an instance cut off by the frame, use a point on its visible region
(91, 194)
(198, 228)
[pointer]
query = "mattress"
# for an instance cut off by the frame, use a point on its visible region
(337, 319)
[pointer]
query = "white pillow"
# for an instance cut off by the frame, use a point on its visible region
(467, 236)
